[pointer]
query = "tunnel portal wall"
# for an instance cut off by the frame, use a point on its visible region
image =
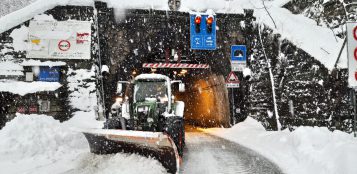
(144, 36)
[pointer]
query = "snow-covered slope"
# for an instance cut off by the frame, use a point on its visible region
(306, 150)
(39, 144)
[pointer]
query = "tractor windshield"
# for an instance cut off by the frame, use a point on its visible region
(150, 89)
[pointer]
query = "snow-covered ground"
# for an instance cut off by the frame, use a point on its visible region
(313, 150)
(211, 155)
(39, 144)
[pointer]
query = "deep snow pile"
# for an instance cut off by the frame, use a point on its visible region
(81, 84)
(305, 150)
(40, 144)
(83, 98)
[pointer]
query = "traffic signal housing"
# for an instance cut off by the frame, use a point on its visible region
(209, 22)
(198, 23)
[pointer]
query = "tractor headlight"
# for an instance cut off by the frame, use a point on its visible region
(164, 99)
(143, 109)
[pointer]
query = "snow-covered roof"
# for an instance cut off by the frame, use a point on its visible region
(9, 68)
(152, 76)
(319, 41)
(23, 88)
(40, 6)
(32, 62)
(28, 12)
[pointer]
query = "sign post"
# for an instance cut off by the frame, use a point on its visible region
(232, 82)
(352, 54)
(352, 65)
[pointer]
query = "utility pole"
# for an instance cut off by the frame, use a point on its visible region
(233, 111)
(272, 82)
(353, 102)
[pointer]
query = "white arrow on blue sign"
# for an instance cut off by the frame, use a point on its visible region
(202, 40)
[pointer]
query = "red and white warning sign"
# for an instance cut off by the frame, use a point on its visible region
(232, 80)
(51, 39)
(352, 54)
(64, 45)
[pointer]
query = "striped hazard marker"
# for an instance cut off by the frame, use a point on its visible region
(175, 65)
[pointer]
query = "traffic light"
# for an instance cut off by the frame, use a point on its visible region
(209, 22)
(198, 23)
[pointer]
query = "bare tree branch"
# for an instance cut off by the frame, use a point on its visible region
(269, 14)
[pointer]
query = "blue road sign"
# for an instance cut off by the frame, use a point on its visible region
(49, 74)
(238, 57)
(239, 53)
(203, 39)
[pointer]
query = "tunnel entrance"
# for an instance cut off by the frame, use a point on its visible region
(205, 97)
(141, 38)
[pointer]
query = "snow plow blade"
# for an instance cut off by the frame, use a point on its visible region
(150, 144)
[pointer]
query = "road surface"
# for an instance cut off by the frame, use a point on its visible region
(207, 154)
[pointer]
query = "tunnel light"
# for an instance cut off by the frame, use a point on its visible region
(198, 20)
(198, 23)
(183, 71)
(209, 22)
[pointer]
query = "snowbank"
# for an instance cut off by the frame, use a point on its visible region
(36, 144)
(84, 120)
(30, 141)
(23, 88)
(81, 84)
(305, 150)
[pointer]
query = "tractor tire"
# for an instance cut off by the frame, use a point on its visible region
(175, 129)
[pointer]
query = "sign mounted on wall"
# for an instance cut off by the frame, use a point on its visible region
(203, 31)
(238, 57)
(49, 74)
(59, 39)
(352, 54)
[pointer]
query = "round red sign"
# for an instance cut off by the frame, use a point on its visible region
(64, 45)
(355, 32)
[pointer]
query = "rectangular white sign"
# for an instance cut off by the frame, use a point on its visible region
(352, 54)
(232, 85)
(238, 65)
(59, 39)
